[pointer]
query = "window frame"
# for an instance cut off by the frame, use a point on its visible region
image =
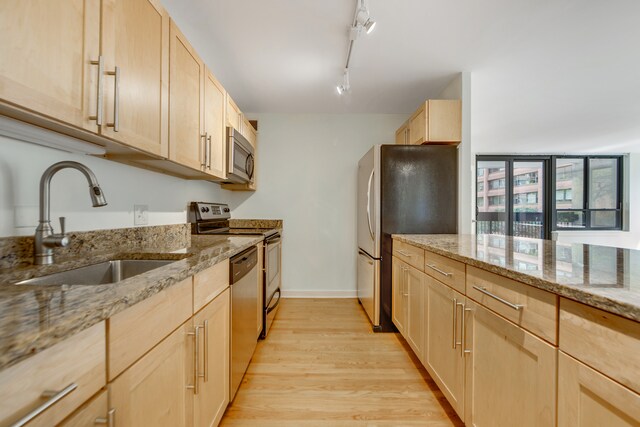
(549, 198)
(586, 195)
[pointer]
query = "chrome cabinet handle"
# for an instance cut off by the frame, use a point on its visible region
(206, 350)
(403, 253)
(116, 100)
(405, 293)
(209, 149)
(463, 349)
(110, 420)
(455, 320)
(444, 273)
(483, 290)
(203, 163)
(196, 358)
(99, 96)
(53, 398)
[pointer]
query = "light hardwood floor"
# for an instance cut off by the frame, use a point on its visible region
(322, 365)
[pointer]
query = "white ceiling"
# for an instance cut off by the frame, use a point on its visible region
(288, 55)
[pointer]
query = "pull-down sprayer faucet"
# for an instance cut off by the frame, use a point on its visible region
(45, 238)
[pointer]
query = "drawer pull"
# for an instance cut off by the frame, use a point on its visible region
(53, 398)
(403, 253)
(517, 307)
(110, 420)
(444, 273)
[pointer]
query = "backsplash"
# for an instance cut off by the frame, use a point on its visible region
(17, 252)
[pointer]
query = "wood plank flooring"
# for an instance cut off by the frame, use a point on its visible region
(322, 365)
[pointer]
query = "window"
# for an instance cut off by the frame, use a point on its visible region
(588, 192)
(529, 196)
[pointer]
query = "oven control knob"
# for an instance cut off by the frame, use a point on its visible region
(203, 209)
(226, 209)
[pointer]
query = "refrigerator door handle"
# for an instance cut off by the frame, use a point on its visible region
(369, 204)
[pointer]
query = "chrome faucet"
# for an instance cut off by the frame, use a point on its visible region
(45, 239)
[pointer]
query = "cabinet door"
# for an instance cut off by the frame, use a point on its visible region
(443, 357)
(587, 398)
(398, 304)
(214, 124)
(415, 310)
(46, 48)
(135, 39)
(417, 126)
(234, 115)
(248, 131)
(401, 135)
(213, 394)
(511, 374)
(153, 392)
(86, 415)
(186, 137)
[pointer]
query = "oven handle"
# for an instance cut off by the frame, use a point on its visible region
(270, 308)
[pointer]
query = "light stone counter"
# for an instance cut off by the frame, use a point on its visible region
(602, 277)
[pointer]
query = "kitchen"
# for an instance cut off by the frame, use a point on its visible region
(522, 94)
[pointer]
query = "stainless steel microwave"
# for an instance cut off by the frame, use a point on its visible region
(240, 160)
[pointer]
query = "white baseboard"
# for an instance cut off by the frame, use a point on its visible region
(319, 294)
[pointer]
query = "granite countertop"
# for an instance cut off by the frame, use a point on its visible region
(33, 318)
(602, 277)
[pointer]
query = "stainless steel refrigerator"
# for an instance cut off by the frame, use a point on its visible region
(402, 189)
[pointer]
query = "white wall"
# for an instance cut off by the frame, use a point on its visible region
(569, 85)
(22, 164)
(307, 176)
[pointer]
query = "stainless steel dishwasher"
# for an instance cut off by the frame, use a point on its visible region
(244, 316)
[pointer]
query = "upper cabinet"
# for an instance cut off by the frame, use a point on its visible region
(48, 49)
(435, 121)
(214, 125)
(234, 115)
(135, 44)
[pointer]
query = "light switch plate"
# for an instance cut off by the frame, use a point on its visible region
(140, 214)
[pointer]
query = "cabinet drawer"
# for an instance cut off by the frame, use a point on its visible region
(446, 270)
(210, 283)
(604, 341)
(410, 254)
(86, 415)
(79, 360)
(136, 330)
(533, 309)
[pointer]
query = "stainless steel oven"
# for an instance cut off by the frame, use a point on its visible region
(240, 163)
(272, 280)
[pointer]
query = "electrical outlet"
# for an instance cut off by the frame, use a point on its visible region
(140, 214)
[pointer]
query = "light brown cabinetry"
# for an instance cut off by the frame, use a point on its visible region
(510, 373)
(74, 370)
(249, 132)
(155, 390)
(209, 283)
(402, 134)
(135, 44)
(94, 412)
(448, 271)
(214, 126)
(586, 398)
(234, 115)
(35, 74)
(443, 356)
(408, 292)
(212, 397)
(436, 120)
(186, 110)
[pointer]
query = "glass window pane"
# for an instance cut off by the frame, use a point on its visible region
(569, 183)
(570, 219)
(603, 219)
(528, 197)
(491, 197)
(603, 183)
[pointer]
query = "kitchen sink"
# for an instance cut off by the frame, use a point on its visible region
(99, 274)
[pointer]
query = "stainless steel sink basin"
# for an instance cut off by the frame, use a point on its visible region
(99, 274)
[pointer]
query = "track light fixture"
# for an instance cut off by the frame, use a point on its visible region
(361, 20)
(345, 86)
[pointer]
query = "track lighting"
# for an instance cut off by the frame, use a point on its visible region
(345, 86)
(361, 20)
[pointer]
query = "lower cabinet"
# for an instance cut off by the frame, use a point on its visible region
(588, 398)
(155, 391)
(510, 373)
(212, 396)
(408, 304)
(443, 356)
(94, 412)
